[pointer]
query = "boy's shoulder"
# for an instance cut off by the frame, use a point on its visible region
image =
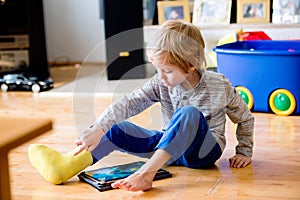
(216, 79)
(212, 75)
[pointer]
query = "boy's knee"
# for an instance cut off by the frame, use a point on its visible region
(190, 111)
(121, 125)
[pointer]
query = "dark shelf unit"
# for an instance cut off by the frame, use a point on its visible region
(25, 19)
(124, 40)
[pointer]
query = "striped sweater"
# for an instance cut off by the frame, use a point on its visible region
(213, 96)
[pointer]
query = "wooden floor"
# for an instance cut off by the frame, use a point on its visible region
(274, 173)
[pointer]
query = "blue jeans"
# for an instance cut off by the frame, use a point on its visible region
(188, 140)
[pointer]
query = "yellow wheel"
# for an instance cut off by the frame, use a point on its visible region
(246, 96)
(282, 102)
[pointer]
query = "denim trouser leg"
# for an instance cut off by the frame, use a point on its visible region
(130, 138)
(188, 140)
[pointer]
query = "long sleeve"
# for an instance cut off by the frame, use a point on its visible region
(238, 112)
(130, 105)
(213, 96)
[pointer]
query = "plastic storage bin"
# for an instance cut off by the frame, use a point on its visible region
(266, 73)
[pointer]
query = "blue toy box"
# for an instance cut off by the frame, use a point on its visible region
(266, 73)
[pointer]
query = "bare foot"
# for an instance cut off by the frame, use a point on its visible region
(135, 182)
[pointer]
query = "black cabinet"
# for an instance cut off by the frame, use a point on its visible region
(123, 22)
(22, 37)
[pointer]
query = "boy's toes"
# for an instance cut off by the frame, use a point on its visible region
(116, 184)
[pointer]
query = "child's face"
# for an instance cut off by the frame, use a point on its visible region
(171, 75)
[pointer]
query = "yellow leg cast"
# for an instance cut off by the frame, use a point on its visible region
(55, 167)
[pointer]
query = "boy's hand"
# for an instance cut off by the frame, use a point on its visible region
(239, 161)
(89, 139)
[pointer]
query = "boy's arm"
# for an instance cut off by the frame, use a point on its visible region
(130, 105)
(239, 113)
(244, 133)
(244, 149)
(120, 110)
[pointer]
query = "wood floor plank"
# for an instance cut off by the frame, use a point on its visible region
(274, 173)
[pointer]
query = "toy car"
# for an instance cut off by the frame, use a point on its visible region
(22, 82)
(265, 73)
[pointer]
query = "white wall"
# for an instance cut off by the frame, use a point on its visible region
(212, 34)
(73, 29)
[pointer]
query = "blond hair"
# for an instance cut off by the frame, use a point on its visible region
(181, 44)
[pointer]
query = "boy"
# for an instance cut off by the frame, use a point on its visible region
(194, 105)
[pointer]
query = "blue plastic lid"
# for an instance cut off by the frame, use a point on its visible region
(263, 47)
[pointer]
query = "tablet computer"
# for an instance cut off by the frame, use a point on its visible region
(102, 178)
